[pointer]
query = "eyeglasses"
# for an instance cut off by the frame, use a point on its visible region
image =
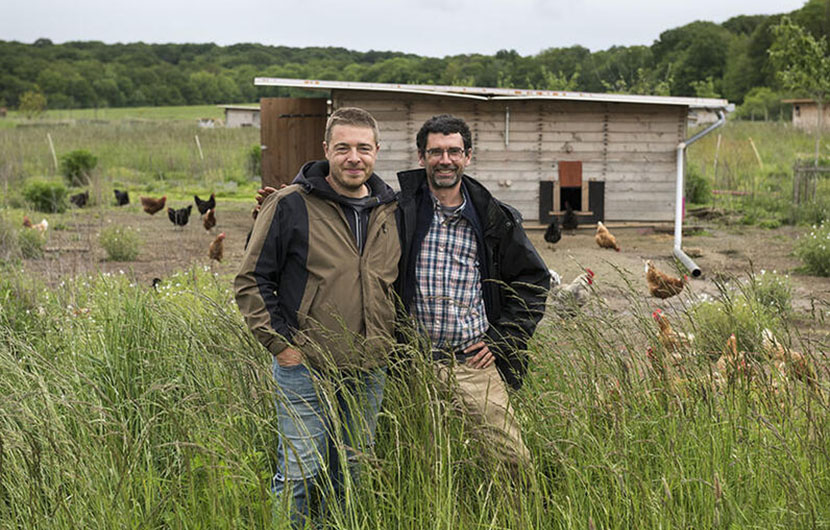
(455, 153)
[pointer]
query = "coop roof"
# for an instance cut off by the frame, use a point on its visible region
(239, 107)
(493, 94)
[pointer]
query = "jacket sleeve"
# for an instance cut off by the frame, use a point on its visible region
(524, 282)
(256, 286)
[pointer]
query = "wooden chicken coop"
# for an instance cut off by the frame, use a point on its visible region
(611, 157)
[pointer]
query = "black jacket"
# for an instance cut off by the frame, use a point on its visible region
(514, 277)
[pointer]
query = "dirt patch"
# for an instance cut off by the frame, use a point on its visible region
(720, 252)
(727, 253)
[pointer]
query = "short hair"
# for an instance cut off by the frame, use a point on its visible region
(354, 116)
(444, 124)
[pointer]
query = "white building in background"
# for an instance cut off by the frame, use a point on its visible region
(805, 114)
(241, 115)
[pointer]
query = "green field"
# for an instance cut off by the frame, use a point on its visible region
(126, 407)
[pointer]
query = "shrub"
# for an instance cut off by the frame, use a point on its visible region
(31, 243)
(77, 165)
(121, 243)
(773, 290)
(46, 196)
(9, 242)
(255, 161)
(814, 250)
(697, 188)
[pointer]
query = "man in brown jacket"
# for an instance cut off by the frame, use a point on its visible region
(316, 289)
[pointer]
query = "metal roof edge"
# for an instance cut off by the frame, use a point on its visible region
(484, 93)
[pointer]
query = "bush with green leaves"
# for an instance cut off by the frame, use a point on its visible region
(9, 242)
(255, 161)
(813, 249)
(31, 243)
(46, 196)
(77, 166)
(120, 242)
(741, 308)
(697, 187)
(773, 290)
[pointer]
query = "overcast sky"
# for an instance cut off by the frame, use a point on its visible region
(425, 27)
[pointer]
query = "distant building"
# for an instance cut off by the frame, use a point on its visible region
(805, 114)
(241, 116)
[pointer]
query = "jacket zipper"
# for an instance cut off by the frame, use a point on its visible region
(358, 232)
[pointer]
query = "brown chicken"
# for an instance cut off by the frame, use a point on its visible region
(789, 363)
(672, 340)
(660, 284)
(152, 205)
(731, 363)
(27, 223)
(217, 248)
(209, 219)
(604, 238)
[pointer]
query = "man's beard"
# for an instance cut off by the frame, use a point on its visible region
(444, 182)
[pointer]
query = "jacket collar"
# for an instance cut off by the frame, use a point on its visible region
(312, 177)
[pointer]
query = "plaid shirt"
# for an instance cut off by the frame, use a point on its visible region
(448, 302)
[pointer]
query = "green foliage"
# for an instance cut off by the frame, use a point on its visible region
(813, 249)
(120, 242)
(773, 290)
(94, 75)
(77, 165)
(31, 243)
(763, 103)
(9, 242)
(45, 196)
(255, 161)
(803, 66)
(737, 310)
(697, 187)
(106, 378)
(32, 104)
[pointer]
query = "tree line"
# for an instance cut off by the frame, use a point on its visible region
(705, 59)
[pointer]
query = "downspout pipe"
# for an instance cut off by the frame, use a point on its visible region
(678, 203)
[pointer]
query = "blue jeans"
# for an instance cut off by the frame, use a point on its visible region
(320, 420)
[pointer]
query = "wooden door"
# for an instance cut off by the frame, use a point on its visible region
(292, 132)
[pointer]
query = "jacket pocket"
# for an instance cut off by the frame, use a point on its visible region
(307, 302)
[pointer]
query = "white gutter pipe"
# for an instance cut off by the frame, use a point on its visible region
(678, 203)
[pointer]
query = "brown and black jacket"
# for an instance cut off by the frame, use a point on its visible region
(304, 281)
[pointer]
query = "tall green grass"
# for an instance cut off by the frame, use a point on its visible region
(123, 406)
(142, 149)
(765, 178)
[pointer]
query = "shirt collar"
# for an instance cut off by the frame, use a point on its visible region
(456, 211)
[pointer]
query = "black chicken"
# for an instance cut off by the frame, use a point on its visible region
(204, 206)
(569, 220)
(553, 233)
(121, 197)
(80, 199)
(181, 216)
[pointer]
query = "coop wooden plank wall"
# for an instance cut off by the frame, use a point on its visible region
(632, 147)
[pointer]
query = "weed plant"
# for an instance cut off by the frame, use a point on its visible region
(45, 196)
(814, 250)
(31, 243)
(121, 243)
(127, 406)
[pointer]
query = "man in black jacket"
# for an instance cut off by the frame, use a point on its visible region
(470, 279)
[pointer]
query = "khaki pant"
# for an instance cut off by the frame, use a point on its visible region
(482, 395)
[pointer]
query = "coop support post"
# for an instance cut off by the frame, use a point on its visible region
(678, 202)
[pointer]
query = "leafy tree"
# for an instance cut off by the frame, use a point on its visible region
(32, 104)
(803, 66)
(77, 165)
(761, 101)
